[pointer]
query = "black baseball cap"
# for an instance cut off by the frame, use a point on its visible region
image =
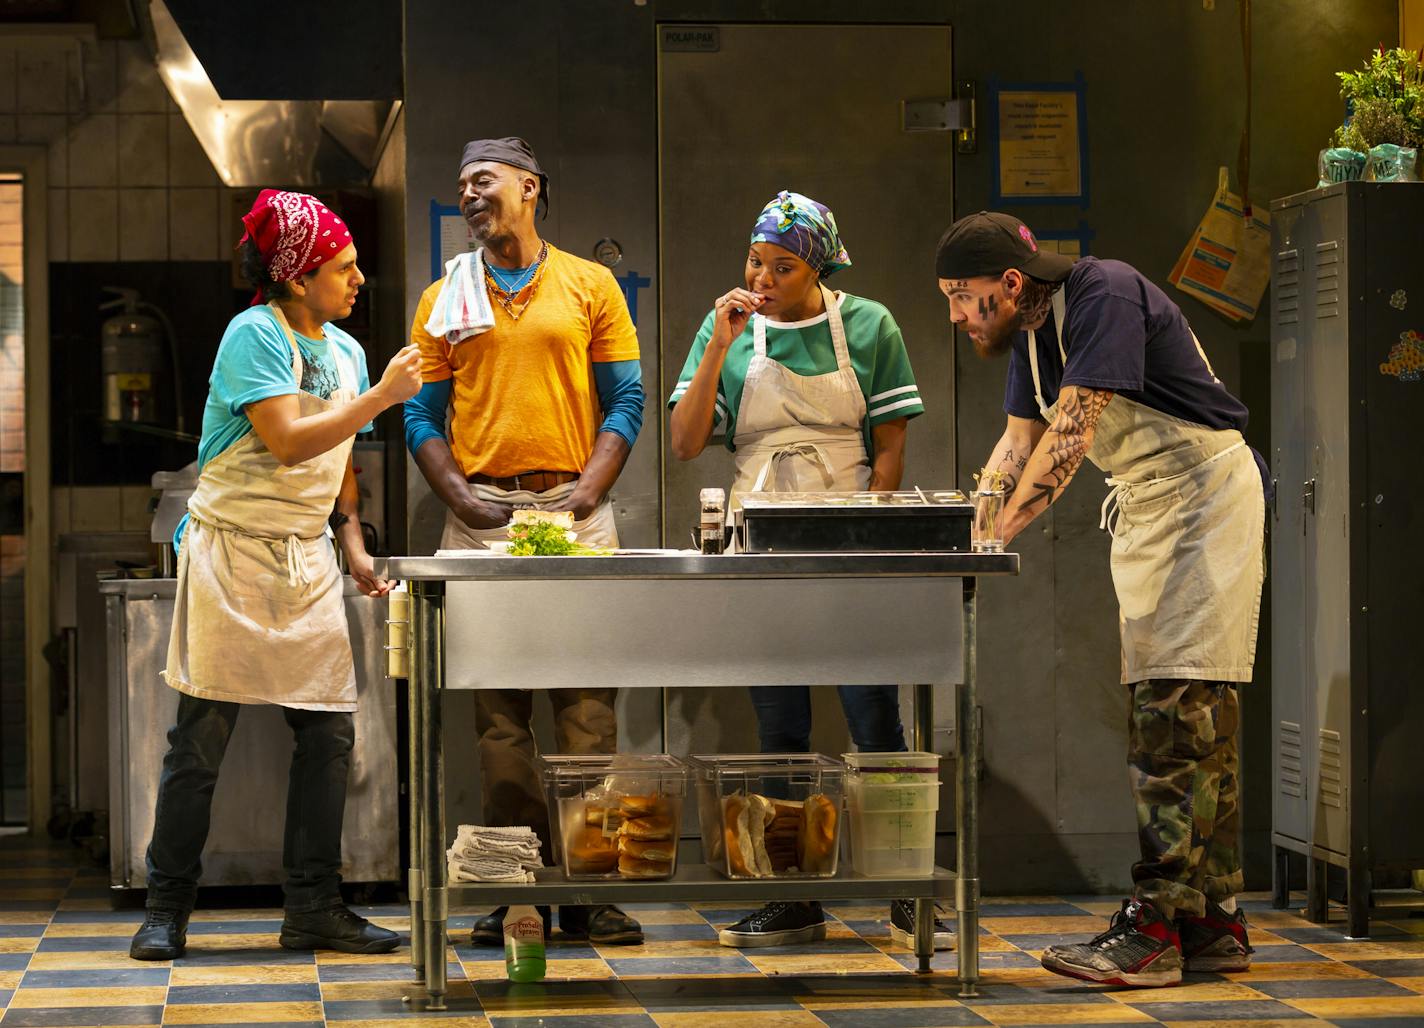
(989, 243)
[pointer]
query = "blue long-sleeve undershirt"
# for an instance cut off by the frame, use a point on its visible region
(620, 396)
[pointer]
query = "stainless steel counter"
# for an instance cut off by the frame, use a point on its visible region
(682, 618)
(249, 804)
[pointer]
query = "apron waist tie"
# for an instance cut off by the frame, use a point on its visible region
(1121, 488)
(1107, 521)
(811, 451)
(298, 571)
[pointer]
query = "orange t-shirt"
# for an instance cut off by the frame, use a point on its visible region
(523, 397)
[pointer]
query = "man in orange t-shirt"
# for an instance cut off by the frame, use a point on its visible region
(545, 404)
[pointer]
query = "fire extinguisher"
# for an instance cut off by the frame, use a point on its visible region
(132, 361)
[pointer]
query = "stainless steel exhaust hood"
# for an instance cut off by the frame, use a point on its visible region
(259, 142)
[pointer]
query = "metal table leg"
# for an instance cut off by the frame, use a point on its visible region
(415, 885)
(427, 614)
(966, 801)
(923, 735)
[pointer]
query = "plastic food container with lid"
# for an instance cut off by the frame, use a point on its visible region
(769, 815)
(893, 799)
(615, 815)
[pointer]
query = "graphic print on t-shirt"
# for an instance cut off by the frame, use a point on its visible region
(319, 378)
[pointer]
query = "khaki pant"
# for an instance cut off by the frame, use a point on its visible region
(584, 722)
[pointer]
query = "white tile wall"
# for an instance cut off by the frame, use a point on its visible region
(128, 180)
(193, 224)
(143, 224)
(42, 80)
(143, 147)
(93, 224)
(100, 81)
(93, 150)
(141, 91)
(188, 164)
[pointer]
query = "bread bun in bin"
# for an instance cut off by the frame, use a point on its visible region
(817, 847)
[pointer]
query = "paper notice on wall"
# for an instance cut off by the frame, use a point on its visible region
(1227, 261)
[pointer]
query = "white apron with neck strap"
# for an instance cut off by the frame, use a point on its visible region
(1186, 513)
(798, 433)
(258, 615)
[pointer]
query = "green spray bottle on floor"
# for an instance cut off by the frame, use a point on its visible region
(524, 944)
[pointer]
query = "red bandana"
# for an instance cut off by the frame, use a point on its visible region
(294, 232)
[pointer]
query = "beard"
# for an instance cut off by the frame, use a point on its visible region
(1015, 314)
(998, 335)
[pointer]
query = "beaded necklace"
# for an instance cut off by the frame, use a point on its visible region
(505, 297)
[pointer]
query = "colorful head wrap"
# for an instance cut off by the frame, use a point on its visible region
(806, 228)
(295, 233)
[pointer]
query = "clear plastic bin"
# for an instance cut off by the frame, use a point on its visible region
(893, 799)
(615, 815)
(769, 815)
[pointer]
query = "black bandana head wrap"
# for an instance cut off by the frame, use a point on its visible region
(510, 150)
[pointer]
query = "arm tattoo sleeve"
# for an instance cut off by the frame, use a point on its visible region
(1069, 435)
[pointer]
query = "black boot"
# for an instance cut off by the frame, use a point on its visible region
(489, 930)
(335, 928)
(604, 924)
(164, 936)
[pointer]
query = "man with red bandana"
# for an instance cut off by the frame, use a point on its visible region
(258, 615)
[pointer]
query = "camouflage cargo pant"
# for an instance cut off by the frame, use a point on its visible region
(1183, 764)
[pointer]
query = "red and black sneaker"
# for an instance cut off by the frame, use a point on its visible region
(1215, 942)
(1140, 947)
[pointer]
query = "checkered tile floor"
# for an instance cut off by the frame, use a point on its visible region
(64, 961)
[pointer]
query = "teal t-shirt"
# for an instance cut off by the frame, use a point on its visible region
(877, 353)
(254, 362)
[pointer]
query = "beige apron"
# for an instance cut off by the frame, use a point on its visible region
(1186, 513)
(598, 529)
(258, 616)
(798, 433)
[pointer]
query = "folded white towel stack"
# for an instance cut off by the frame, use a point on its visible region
(483, 854)
(463, 307)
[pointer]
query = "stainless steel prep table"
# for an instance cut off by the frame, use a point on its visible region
(484, 622)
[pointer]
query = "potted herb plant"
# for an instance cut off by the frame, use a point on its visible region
(1385, 129)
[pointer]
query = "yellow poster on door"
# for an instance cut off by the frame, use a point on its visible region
(1040, 153)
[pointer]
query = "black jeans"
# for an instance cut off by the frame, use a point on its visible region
(316, 803)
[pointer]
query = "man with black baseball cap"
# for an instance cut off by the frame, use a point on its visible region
(1103, 365)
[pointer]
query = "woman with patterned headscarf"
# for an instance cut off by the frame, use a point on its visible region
(812, 390)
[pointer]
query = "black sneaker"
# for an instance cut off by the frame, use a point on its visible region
(1140, 947)
(902, 927)
(163, 936)
(777, 924)
(337, 928)
(1216, 941)
(489, 930)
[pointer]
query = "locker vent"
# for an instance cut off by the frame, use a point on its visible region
(1292, 776)
(1332, 779)
(1287, 302)
(1327, 279)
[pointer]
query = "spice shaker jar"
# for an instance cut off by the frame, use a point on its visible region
(713, 503)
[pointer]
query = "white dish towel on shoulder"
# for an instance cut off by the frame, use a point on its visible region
(463, 307)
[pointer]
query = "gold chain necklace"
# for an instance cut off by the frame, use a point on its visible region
(505, 298)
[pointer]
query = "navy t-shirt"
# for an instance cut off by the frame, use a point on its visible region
(1124, 334)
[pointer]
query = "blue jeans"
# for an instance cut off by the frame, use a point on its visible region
(316, 803)
(784, 717)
